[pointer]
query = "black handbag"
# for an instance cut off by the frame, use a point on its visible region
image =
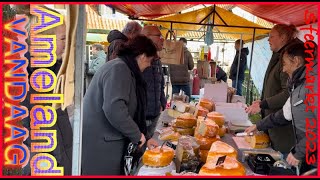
(132, 158)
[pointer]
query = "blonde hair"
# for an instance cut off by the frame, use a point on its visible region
(290, 31)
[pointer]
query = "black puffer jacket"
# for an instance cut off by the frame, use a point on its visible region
(63, 151)
(242, 67)
(115, 38)
(155, 89)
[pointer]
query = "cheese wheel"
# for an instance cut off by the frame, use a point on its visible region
(230, 167)
(184, 131)
(168, 134)
(186, 120)
(158, 157)
(258, 141)
(180, 106)
(201, 111)
(205, 142)
(203, 155)
(207, 104)
(222, 131)
(174, 113)
(208, 128)
(219, 148)
(216, 117)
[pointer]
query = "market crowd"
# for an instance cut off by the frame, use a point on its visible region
(126, 96)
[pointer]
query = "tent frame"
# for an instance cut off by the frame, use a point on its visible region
(79, 80)
(214, 12)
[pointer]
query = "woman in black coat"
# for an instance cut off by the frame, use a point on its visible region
(114, 109)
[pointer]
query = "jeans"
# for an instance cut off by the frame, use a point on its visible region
(239, 87)
(185, 88)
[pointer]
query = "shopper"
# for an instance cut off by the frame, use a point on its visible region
(221, 74)
(274, 92)
(179, 74)
(116, 38)
(294, 111)
(98, 58)
(154, 77)
(242, 63)
(114, 108)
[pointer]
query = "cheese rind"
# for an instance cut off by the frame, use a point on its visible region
(158, 157)
(205, 142)
(230, 167)
(208, 128)
(219, 148)
(217, 118)
(258, 141)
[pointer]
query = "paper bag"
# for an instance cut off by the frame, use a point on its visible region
(172, 52)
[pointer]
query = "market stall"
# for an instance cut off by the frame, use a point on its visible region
(214, 129)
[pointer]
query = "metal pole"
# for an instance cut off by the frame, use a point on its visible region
(254, 32)
(219, 25)
(212, 32)
(79, 73)
(168, 68)
(239, 57)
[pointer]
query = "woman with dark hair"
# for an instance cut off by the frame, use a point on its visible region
(300, 63)
(114, 109)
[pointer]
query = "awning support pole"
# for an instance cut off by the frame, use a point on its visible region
(249, 81)
(78, 93)
(239, 59)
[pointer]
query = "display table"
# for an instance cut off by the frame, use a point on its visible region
(164, 117)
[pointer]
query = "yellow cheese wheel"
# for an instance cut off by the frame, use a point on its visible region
(258, 141)
(158, 157)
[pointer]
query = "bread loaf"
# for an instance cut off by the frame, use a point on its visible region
(208, 128)
(158, 157)
(207, 104)
(219, 148)
(216, 117)
(258, 141)
(230, 167)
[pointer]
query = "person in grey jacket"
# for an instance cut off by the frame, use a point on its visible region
(99, 58)
(299, 108)
(179, 75)
(153, 75)
(114, 109)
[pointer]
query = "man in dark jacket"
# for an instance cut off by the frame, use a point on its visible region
(153, 75)
(242, 63)
(179, 75)
(116, 38)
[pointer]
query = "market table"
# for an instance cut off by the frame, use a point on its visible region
(164, 117)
